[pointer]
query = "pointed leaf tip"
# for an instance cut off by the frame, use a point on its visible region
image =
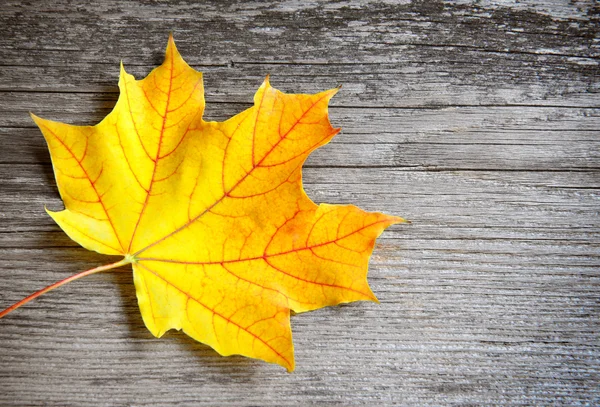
(172, 51)
(397, 219)
(37, 119)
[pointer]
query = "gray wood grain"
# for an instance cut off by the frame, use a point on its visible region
(479, 122)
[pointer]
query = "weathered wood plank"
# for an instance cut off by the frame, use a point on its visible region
(315, 31)
(463, 79)
(479, 122)
(484, 138)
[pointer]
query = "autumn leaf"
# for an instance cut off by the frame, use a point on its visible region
(213, 218)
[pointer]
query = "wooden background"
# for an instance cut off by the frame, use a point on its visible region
(477, 121)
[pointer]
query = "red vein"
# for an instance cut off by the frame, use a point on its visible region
(313, 282)
(256, 125)
(308, 150)
(227, 146)
(287, 297)
(156, 85)
(91, 183)
(127, 159)
(199, 81)
(334, 260)
(266, 256)
(160, 140)
(214, 312)
(285, 181)
(187, 130)
(88, 216)
(133, 122)
(90, 236)
(149, 302)
(189, 209)
(166, 177)
(226, 194)
(178, 121)
(67, 175)
(313, 227)
(150, 102)
(81, 200)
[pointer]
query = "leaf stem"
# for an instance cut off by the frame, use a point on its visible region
(77, 276)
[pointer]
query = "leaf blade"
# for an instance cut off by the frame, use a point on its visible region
(213, 216)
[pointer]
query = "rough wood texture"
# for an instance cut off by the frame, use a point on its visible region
(479, 122)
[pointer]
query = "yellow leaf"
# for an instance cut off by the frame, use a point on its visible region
(222, 238)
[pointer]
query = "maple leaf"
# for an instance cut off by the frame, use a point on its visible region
(213, 218)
